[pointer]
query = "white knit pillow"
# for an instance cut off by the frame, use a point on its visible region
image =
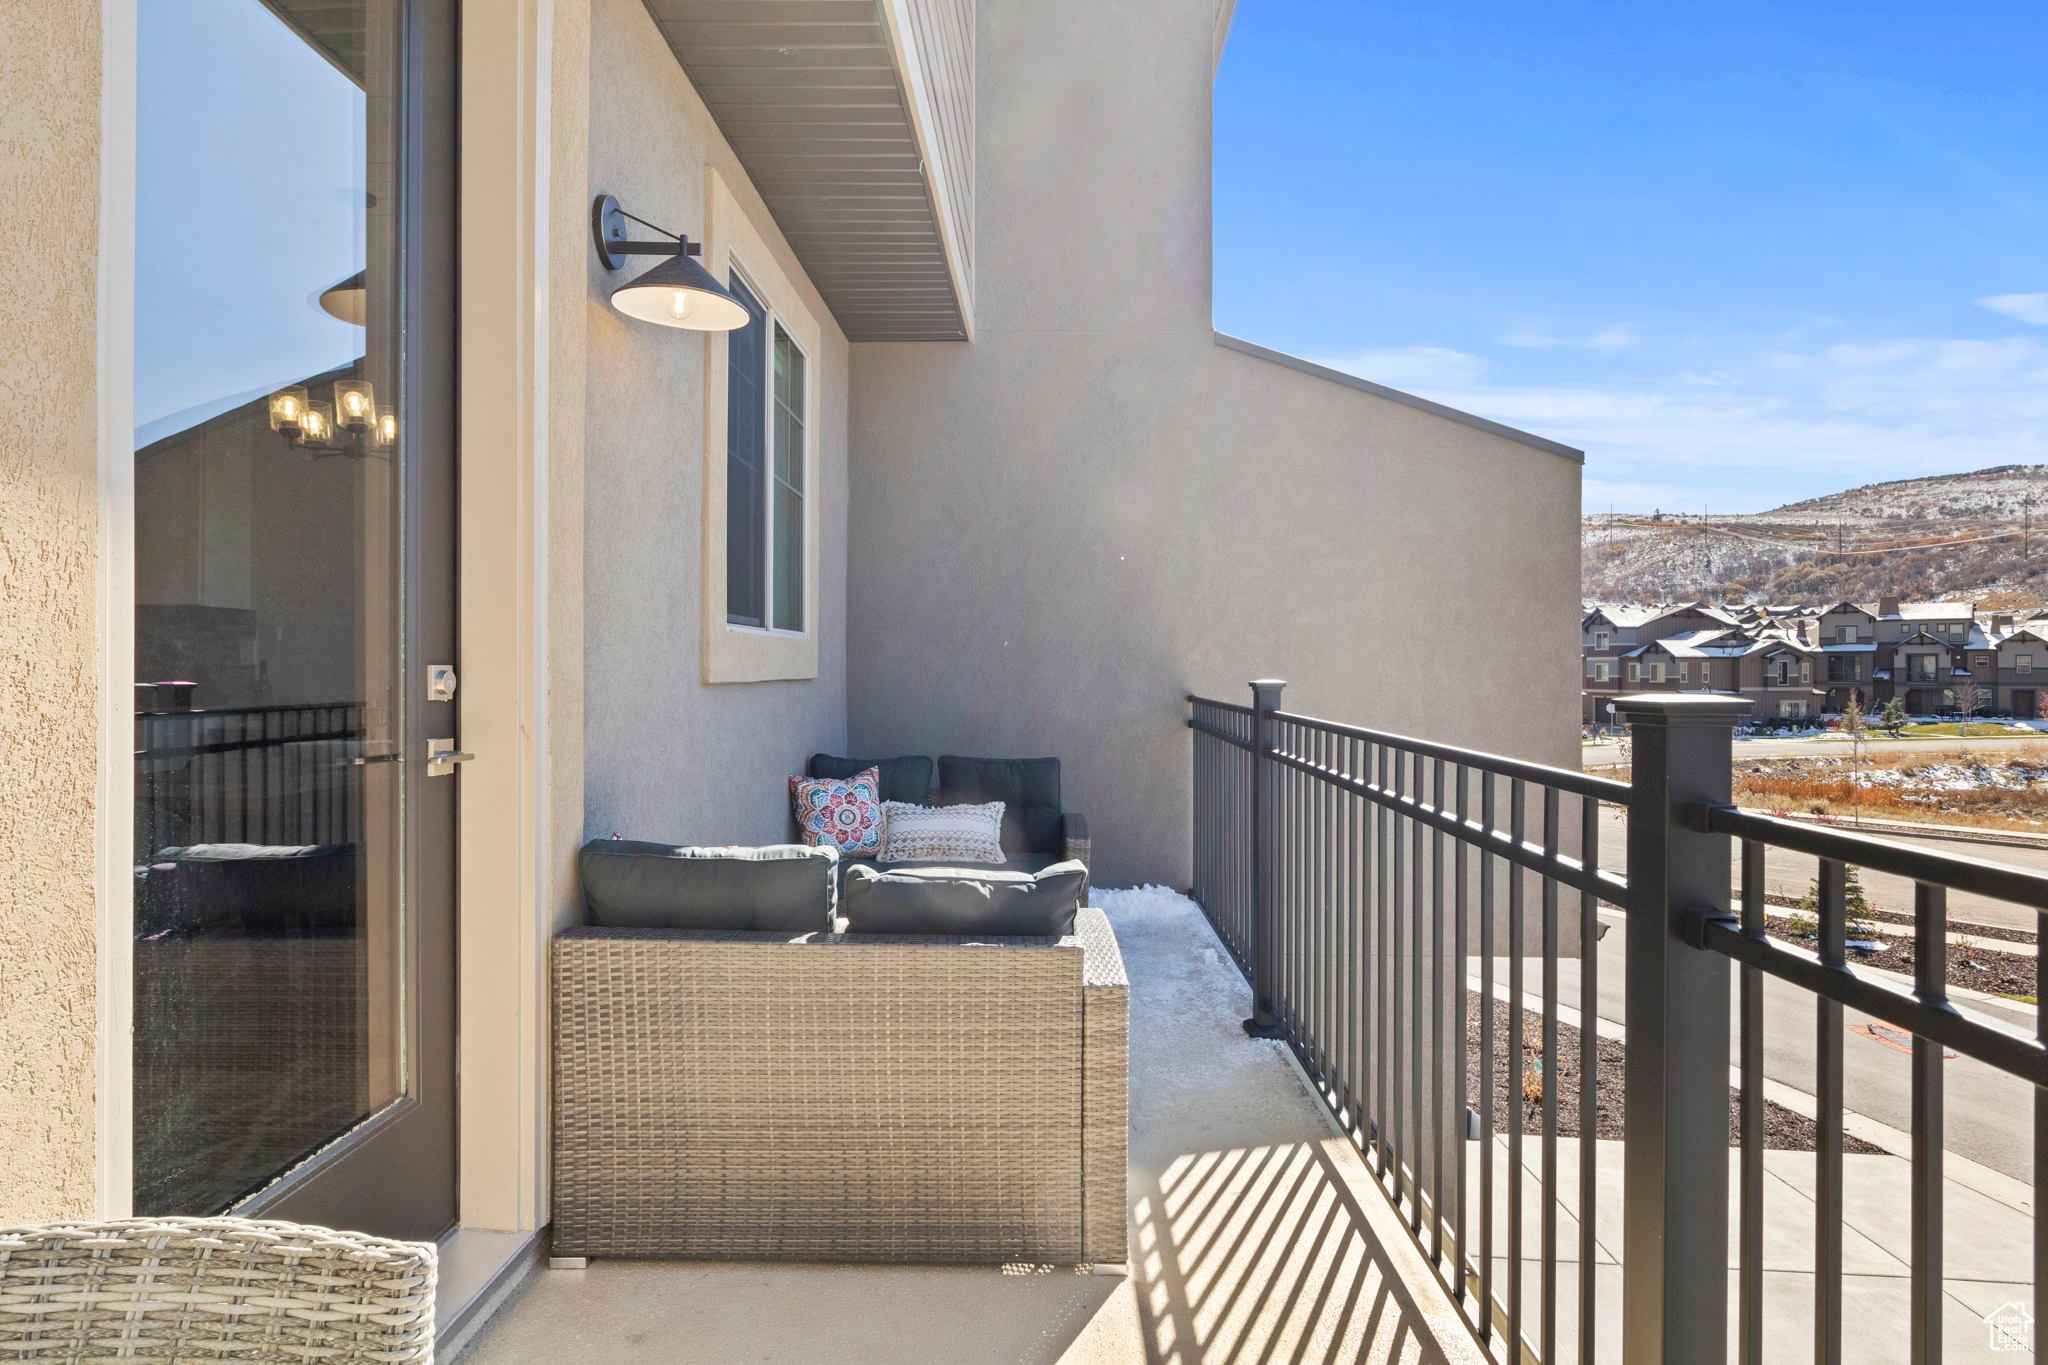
(942, 834)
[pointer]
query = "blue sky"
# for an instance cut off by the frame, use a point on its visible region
(250, 202)
(1741, 253)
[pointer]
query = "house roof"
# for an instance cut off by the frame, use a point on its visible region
(1931, 611)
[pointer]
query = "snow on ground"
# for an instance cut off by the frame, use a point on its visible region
(1955, 777)
(1142, 902)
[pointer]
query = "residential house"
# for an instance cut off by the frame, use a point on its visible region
(353, 507)
(1806, 660)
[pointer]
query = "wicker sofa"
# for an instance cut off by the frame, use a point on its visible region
(759, 1095)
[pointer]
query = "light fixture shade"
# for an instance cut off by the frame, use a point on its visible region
(348, 300)
(681, 293)
(317, 426)
(288, 410)
(355, 403)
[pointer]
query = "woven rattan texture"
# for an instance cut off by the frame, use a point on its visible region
(212, 1289)
(848, 1099)
(1105, 1094)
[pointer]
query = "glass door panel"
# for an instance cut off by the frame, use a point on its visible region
(288, 983)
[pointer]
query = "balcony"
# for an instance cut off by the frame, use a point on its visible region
(1444, 1138)
(1256, 1233)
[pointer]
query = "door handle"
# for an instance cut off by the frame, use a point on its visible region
(442, 756)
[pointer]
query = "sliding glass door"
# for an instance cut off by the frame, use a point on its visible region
(294, 575)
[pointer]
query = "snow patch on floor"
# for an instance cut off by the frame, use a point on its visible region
(1143, 902)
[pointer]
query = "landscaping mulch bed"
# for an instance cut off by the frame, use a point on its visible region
(1956, 929)
(1784, 1130)
(1979, 968)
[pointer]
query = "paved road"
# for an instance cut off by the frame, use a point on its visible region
(1791, 874)
(1987, 1109)
(1595, 754)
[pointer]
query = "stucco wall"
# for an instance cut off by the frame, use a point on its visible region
(1061, 528)
(49, 217)
(667, 756)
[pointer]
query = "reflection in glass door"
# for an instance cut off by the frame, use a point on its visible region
(292, 906)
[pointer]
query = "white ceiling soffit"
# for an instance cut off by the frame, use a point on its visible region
(811, 96)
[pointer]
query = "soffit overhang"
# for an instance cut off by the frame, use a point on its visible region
(815, 99)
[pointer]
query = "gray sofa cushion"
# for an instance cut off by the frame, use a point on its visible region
(1029, 789)
(783, 888)
(968, 902)
(908, 778)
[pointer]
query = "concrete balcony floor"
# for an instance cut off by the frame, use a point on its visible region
(1256, 1234)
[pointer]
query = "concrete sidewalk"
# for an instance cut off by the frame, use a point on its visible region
(1988, 1250)
(1256, 1234)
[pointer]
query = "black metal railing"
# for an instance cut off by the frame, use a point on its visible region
(1389, 900)
(248, 774)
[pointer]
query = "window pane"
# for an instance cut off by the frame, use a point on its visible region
(789, 483)
(745, 482)
(268, 914)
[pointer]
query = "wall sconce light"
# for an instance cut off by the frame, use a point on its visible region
(676, 293)
(348, 300)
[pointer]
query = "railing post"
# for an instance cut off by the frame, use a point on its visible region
(1675, 1088)
(1265, 885)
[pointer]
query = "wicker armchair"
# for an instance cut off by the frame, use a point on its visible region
(753, 1096)
(179, 1289)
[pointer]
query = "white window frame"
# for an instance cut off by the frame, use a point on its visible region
(728, 652)
(774, 321)
(1845, 635)
(1635, 670)
(1656, 670)
(1600, 638)
(2023, 663)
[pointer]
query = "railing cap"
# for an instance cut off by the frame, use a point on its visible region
(1682, 708)
(1266, 693)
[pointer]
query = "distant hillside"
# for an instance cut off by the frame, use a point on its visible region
(1954, 535)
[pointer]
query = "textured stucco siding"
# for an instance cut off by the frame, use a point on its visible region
(1060, 529)
(49, 688)
(667, 756)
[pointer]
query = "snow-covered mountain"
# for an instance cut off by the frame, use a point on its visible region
(1975, 534)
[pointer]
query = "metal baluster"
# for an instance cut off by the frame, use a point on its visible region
(1437, 967)
(1589, 1072)
(1518, 831)
(1750, 1232)
(1383, 1097)
(1418, 1025)
(1461, 992)
(1487, 1102)
(1827, 1156)
(1550, 1078)
(1403, 1155)
(1930, 984)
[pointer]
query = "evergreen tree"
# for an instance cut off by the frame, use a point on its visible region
(1892, 715)
(1856, 905)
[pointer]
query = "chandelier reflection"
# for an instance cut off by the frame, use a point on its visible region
(349, 423)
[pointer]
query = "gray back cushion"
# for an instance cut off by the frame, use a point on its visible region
(782, 888)
(1029, 789)
(908, 778)
(961, 901)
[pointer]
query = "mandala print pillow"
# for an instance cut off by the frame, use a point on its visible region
(844, 812)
